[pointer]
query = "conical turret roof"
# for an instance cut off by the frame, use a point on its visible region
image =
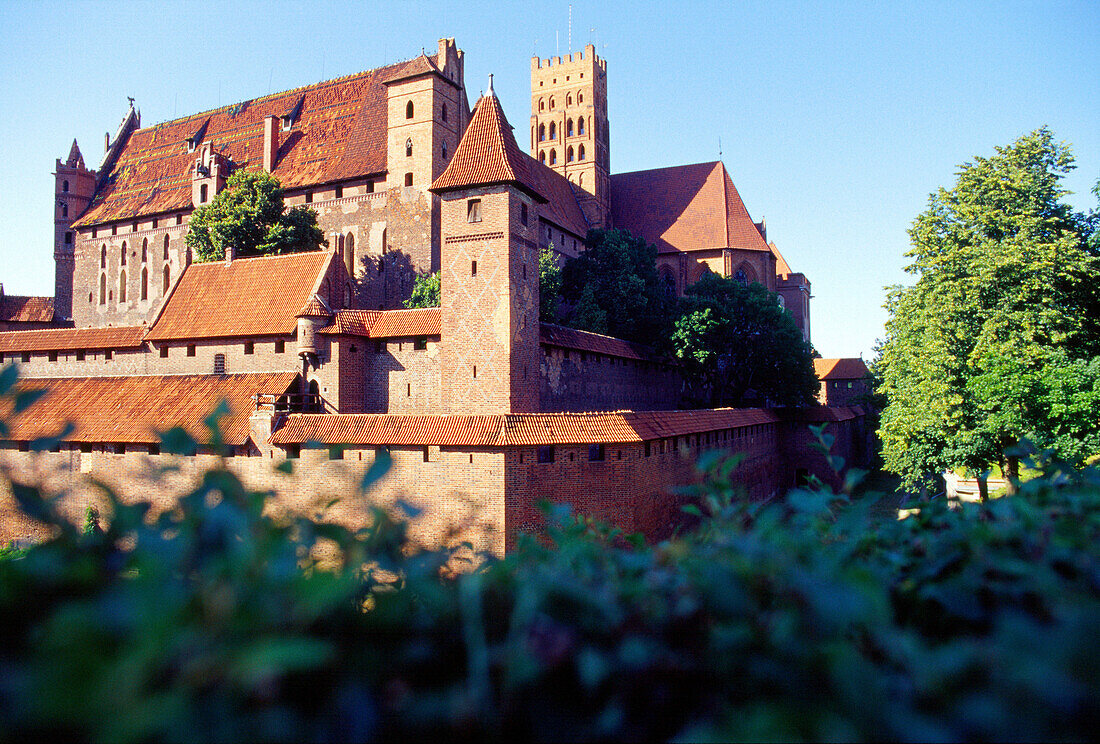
(488, 154)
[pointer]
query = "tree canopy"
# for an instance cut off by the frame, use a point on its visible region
(992, 342)
(249, 215)
(425, 291)
(733, 338)
(613, 288)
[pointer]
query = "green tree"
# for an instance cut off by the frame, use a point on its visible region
(549, 285)
(1005, 296)
(733, 338)
(249, 215)
(613, 287)
(425, 291)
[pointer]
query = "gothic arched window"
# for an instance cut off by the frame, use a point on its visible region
(102, 289)
(569, 155)
(740, 277)
(580, 97)
(580, 153)
(568, 100)
(123, 254)
(103, 256)
(165, 247)
(409, 110)
(542, 105)
(144, 283)
(122, 287)
(569, 128)
(542, 132)
(65, 186)
(551, 103)
(580, 125)
(349, 255)
(167, 279)
(553, 131)
(443, 112)
(64, 210)
(408, 147)
(553, 157)
(144, 251)
(542, 156)
(668, 281)
(443, 150)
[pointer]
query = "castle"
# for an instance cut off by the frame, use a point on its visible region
(484, 410)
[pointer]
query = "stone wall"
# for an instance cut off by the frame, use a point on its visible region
(572, 380)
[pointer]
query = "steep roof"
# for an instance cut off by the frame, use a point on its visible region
(782, 269)
(60, 339)
(684, 208)
(488, 154)
(133, 409)
(25, 309)
(522, 429)
(386, 323)
(571, 338)
(848, 368)
(248, 297)
(339, 132)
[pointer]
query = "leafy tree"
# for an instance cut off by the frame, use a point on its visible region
(549, 285)
(425, 291)
(1005, 297)
(733, 338)
(249, 215)
(613, 288)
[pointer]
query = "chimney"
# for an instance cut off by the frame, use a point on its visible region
(271, 141)
(230, 253)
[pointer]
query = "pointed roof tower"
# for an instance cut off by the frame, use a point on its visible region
(75, 159)
(488, 154)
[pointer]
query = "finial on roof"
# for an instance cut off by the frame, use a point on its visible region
(131, 100)
(494, 95)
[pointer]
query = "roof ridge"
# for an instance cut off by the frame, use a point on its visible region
(341, 78)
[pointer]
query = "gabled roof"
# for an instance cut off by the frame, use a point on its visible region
(488, 154)
(684, 208)
(386, 323)
(849, 368)
(248, 297)
(562, 207)
(571, 338)
(339, 133)
(782, 269)
(132, 409)
(61, 339)
(511, 430)
(25, 309)
(315, 308)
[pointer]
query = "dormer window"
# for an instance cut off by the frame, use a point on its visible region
(190, 145)
(286, 123)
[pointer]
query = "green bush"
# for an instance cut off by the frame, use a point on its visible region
(804, 618)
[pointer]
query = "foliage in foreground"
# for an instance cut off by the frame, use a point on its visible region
(425, 292)
(799, 619)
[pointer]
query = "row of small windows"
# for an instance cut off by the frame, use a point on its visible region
(569, 155)
(409, 150)
(410, 111)
(105, 296)
(569, 130)
(134, 227)
(568, 101)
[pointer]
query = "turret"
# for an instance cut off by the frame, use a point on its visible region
(74, 187)
(311, 318)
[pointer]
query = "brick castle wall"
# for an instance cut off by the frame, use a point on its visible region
(572, 380)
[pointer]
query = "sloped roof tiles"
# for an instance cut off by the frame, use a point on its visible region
(847, 368)
(61, 339)
(26, 309)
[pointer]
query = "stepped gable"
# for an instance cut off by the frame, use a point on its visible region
(684, 208)
(247, 297)
(385, 323)
(847, 368)
(339, 132)
(25, 309)
(133, 409)
(510, 430)
(61, 339)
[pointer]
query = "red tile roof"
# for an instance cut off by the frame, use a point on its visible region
(571, 338)
(849, 368)
(563, 209)
(488, 154)
(25, 309)
(511, 430)
(781, 268)
(684, 208)
(819, 414)
(132, 409)
(59, 339)
(339, 133)
(315, 308)
(386, 323)
(248, 297)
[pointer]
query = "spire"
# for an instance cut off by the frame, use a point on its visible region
(75, 159)
(488, 154)
(491, 93)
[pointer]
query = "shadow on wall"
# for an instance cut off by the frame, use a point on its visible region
(384, 282)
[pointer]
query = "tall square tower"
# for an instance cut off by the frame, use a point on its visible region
(569, 128)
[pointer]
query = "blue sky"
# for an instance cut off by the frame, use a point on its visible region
(836, 120)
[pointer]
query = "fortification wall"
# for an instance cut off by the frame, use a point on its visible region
(572, 380)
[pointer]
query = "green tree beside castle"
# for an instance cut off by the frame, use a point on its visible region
(999, 336)
(250, 217)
